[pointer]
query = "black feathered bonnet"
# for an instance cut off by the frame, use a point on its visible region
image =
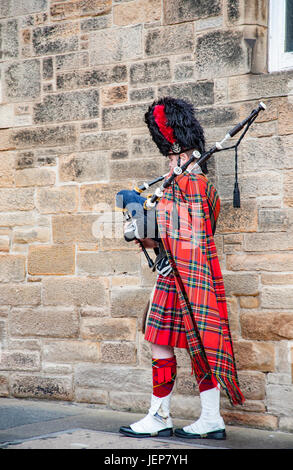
(173, 127)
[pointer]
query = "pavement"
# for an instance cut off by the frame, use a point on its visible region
(41, 424)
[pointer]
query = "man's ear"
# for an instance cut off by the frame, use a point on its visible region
(184, 157)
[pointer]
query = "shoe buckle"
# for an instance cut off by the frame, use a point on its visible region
(204, 435)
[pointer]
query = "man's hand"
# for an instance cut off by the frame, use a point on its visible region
(147, 243)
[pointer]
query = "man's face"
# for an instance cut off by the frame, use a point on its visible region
(173, 158)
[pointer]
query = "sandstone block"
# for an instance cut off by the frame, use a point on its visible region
(37, 234)
(108, 329)
(4, 386)
(259, 262)
(125, 45)
(277, 241)
(176, 39)
(249, 87)
(84, 395)
(114, 95)
(50, 136)
(95, 22)
(9, 39)
(249, 301)
(74, 228)
(35, 177)
(22, 80)
(237, 220)
(187, 407)
(143, 146)
(200, 93)
(54, 259)
(55, 39)
(68, 107)
(90, 78)
(71, 351)
(221, 53)
(276, 279)
(91, 194)
(280, 399)
(79, 8)
(255, 420)
(285, 118)
(143, 94)
(107, 263)
(44, 322)
(181, 11)
(57, 200)
(273, 220)
(128, 302)
(46, 387)
(277, 297)
(84, 166)
(288, 189)
(249, 12)
(264, 183)
(74, 291)
(252, 384)
(104, 140)
(118, 353)
(241, 284)
(123, 116)
(4, 243)
(183, 72)
(20, 294)
(140, 11)
(126, 170)
(255, 355)
(16, 199)
(12, 268)
(134, 402)
(150, 71)
(71, 61)
(19, 360)
(267, 326)
(110, 378)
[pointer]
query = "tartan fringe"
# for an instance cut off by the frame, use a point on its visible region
(232, 389)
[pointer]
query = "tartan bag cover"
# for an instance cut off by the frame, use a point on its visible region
(185, 228)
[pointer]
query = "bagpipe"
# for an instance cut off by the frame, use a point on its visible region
(140, 212)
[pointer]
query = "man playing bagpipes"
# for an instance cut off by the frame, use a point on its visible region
(188, 307)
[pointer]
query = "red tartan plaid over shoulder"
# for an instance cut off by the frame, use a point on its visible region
(183, 217)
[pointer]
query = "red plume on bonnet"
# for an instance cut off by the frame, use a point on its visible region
(161, 121)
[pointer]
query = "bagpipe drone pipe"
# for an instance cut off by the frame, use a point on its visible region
(140, 212)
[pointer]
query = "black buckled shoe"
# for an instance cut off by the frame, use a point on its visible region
(127, 431)
(219, 434)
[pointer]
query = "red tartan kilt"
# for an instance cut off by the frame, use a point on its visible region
(165, 324)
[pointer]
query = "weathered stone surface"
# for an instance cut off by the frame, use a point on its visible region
(241, 284)
(237, 220)
(22, 80)
(12, 268)
(16, 199)
(141, 11)
(143, 146)
(169, 39)
(71, 351)
(78, 8)
(9, 42)
(199, 94)
(222, 53)
(273, 220)
(91, 78)
(20, 294)
(48, 135)
(68, 107)
(255, 420)
(57, 199)
(114, 95)
(107, 263)
(4, 386)
(19, 360)
(143, 94)
(74, 228)
(35, 177)
(74, 291)
(134, 402)
(22, 7)
(44, 322)
(249, 12)
(124, 116)
(188, 10)
(258, 355)
(110, 378)
(34, 386)
(126, 170)
(277, 297)
(183, 72)
(118, 353)
(91, 194)
(48, 68)
(71, 61)
(150, 71)
(259, 262)
(104, 141)
(285, 118)
(95, 23)
(249, 87)
(84, 166)
(252, 384)
(125, 45)
(275, 405)
(263, 183)
(267, 326)
(54, 39)
(276, 241)
(83, 395)
(51, 259)
(108, 329)
(128, 302)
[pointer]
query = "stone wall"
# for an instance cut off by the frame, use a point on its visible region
(76, 79)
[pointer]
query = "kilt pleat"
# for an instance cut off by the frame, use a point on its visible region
(165, 323)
